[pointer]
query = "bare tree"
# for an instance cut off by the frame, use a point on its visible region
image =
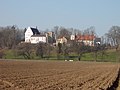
(49, 49)
(41, 49)
(26, 50)
(2, 53)
(10, 36)
(56, 31)
(65, 51)
(79, 49)
(113, 36)
(59, 50)
(64, 32)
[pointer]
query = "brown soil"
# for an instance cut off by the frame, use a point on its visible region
(46, 75)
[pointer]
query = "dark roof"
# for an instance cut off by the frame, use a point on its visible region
(35, 31)
(38, 36)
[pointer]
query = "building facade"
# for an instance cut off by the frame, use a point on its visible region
(32, 35)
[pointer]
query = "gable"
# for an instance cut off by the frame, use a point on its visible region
(28, 32)
(35, 31)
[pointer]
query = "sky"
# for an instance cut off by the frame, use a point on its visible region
(45, 14)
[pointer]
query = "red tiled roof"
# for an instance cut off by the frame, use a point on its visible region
(85, 37)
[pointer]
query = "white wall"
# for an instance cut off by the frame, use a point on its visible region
(38, 39)
(28, 34)
(87, 42)
(34, 40)
(72, 37)
(43, 39)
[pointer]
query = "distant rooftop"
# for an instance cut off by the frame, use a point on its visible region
(85, 37)
(35, 31)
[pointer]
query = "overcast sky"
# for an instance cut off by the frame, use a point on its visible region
(79, 14)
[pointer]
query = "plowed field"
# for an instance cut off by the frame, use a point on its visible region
(53, 75)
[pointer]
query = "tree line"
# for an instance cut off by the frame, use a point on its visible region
(11, 37)
(113, 36)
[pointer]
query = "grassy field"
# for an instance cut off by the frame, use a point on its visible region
(109, 56)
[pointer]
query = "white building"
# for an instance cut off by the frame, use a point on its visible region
(86, 39)
(32, 35)
(61, 40)
(38, 38)
(72, 37)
